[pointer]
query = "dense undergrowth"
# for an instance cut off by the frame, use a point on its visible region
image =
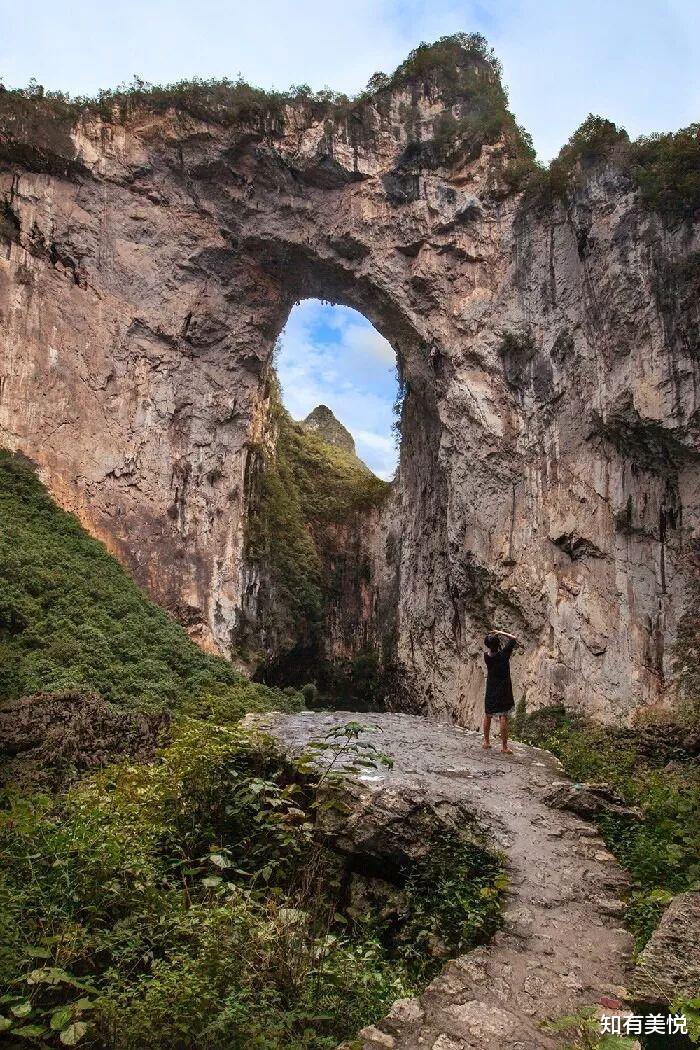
(186, 903)
(71, 618)
(188, 900)
(651, 770)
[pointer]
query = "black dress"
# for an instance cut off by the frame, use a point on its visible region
(499, 688)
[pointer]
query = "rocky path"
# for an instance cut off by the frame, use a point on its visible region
(562, 946)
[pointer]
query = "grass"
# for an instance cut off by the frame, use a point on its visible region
(651, 770)
(72, 619)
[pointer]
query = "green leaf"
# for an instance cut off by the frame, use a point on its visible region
(212, 880)
(38, 953)
(292, 916)
(49, 975)
(29, 1031)
(53, 975)
(219, 860)
(83, 1004)
(5, 1023)
(61, 1017)
(74, 1033)
(21, 1010)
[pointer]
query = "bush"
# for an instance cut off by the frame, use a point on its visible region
(651, 770)
(186, 902)
(593, 141)
(310, 694)
(666, 168)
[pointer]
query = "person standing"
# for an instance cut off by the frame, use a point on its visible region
(498, 701)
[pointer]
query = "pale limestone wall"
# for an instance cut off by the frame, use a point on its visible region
(139, 307)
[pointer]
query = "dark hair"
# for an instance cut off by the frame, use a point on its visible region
(492, 642)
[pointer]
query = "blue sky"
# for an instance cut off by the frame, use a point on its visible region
(634, 61)
(332, 355)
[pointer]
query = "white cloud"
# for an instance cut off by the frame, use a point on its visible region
(381, 450)
(635, 61)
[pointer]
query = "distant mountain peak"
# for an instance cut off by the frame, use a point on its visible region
(322, 421)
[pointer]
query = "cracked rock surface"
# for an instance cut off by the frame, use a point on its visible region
(669, 966)
(562, 946)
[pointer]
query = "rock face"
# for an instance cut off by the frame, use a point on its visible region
(561, 947)
(548, 481)
(669, 966)
(323, 422)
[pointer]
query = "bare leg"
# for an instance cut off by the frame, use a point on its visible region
(504, 735)
(487, 730)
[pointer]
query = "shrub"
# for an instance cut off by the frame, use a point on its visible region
(666, 168)
(662, 851)
(592, 141)
(186, 902)
(310, 694)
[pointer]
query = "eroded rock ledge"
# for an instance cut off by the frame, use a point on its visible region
(562, 946)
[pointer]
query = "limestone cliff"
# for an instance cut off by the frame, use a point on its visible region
(152, 248)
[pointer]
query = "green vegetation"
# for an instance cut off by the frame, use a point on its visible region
(312, 496)
(187, 902)
(651, 770)
(595, 138)
(467, 75)
(686, 654)
(664, 167)
(583, 1029)
(221, 101)
(72, 619)
(462, 68)
(667, 170)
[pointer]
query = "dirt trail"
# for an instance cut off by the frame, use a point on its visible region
(562, 946)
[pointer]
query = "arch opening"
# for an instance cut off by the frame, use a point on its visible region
(331, 357)
(318, 501)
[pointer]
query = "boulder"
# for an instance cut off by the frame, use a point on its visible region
(669, 967)
(384, 829)
(590, 800)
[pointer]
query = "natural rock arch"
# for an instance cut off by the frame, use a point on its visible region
(151, 259)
